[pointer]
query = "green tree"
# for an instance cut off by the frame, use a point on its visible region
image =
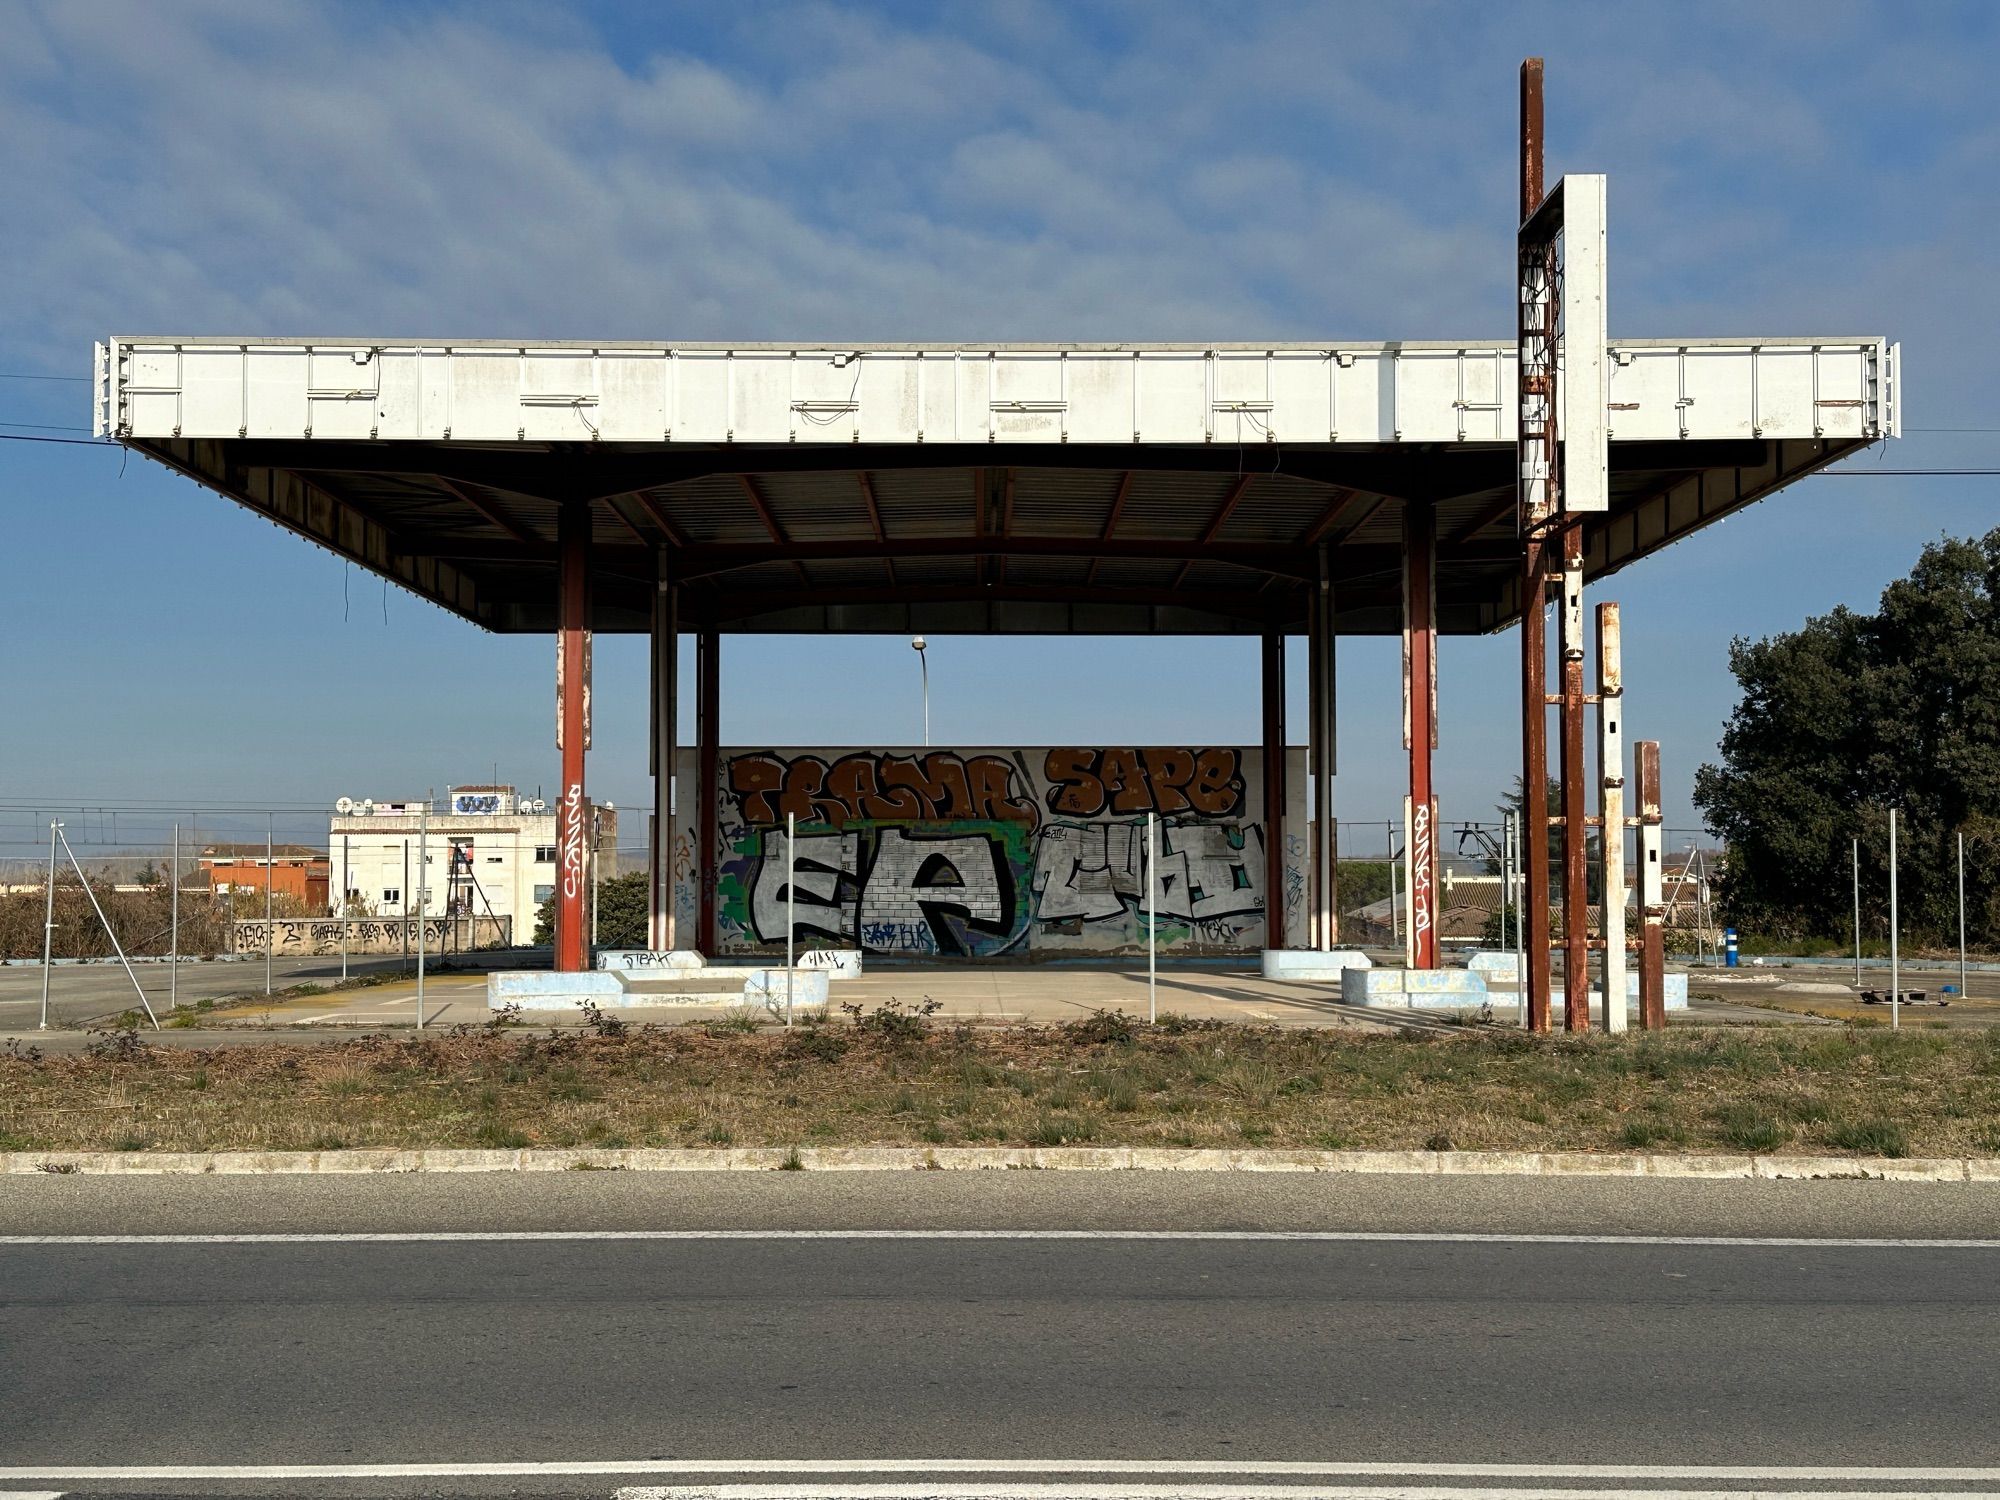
(1363, 882)
(1848, 717)
(622, 916)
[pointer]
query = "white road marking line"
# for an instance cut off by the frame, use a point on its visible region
(1169, 1236)
(1219, 1492)
(1164, 1467)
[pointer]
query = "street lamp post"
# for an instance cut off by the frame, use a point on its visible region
(920, 646)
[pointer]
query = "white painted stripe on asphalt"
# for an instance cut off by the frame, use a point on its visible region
(1167, 1236)
(1645, 1473)
(1223, 1492)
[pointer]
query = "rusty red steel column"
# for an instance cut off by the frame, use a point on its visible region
(572, 731)
(1274, 786)
(1652, 891)
(1575, 817)
(708, 781)
(1420, 727)
(1534, 637)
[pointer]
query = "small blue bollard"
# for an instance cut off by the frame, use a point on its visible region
(1729, 947)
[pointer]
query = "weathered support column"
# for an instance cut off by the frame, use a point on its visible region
(1652, 890)
(708, 788)
(1420, 728)
(1536, 480)
(1274, 786)
(1575, 826)
(1611, 809)
(665, 748)
(1321, 755)
(572, 731)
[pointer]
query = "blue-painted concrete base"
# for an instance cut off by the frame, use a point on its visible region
(645, 961)
(541, 990)
(1495, 965)
(836, 963)
(1310, 963)
(766, 987)
(1428, 989)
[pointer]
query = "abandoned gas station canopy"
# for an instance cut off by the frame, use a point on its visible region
(1058, 488)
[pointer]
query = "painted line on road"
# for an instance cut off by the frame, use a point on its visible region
(1250, 1492)
(1161, 1236)
(1656, 1473)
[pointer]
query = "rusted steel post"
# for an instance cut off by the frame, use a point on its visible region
(1652, 890)
(1320, 739)
(1535, 452)
(708, 781)
(572, 730)
(1611, 809)
(1420, 726)
(665, 747)
(1576, 831)
(1274, 786)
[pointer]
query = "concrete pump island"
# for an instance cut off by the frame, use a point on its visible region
(1314, 489)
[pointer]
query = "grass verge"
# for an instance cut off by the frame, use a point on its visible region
(1107, 1080)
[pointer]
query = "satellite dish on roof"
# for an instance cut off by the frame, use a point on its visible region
(344, 806)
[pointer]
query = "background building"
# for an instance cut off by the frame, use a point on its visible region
(297, 871)
(484, 852)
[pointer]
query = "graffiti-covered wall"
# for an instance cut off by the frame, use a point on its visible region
(993, 853)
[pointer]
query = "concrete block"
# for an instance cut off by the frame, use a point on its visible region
(766, 987)
(839, 963)
(644, 960)
(541, 990)
(1429, 989)
(1495, 965)
(1309, 963)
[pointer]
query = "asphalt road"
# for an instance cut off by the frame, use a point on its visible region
(804, 1336)
(80, 994)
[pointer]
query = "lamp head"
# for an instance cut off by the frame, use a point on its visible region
(919, 644)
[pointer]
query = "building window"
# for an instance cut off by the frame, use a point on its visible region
(493, 859)
(543, 892)
(392, 898)
(545, 854)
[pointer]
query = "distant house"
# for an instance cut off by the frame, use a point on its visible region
(295, 870)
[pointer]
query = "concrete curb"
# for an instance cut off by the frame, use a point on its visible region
(997, 1158)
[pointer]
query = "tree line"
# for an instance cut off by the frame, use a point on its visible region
(1853, 715)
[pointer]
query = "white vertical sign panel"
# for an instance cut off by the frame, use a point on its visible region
(1585, 440)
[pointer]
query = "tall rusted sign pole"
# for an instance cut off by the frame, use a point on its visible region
(572, 729)
(1652, 890)
(1420, 728)
(1611, 809)
(1536, 482)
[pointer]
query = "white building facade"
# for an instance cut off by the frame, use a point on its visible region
(479, 851)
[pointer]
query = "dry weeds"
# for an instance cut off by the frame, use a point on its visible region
(1108, 1080)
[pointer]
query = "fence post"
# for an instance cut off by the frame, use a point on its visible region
(1961, 915)
(49, 922)
(791, 896)
(270, 875)
(1857, 914)
(423, 896)
(1152, 920)
(1895, 963)
(174, 928)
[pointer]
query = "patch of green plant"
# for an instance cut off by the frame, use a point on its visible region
(1748, 1127)
(1873, 1137)
(1061, 1130)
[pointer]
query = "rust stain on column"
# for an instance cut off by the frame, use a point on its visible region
(572, 730)
(1420, 725)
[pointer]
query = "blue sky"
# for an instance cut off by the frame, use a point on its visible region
(1004, 171)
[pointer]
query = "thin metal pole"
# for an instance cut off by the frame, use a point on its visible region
(423, 878)
(1961, 916)
(596, 870)
(49, 922)
(791, 898)
(116, 946)
(174, 929)
(1895, 963)
(1395, 927)
(269, 875)
(1857, 914)
(1152, 919)
(924, 666)
(344, 882)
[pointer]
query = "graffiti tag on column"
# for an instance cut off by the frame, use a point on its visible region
(572, 842)
(1421, 893)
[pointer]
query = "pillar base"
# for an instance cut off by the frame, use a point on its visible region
(1313, 963)
(1419, 989)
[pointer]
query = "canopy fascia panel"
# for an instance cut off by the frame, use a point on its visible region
(1061, 489)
